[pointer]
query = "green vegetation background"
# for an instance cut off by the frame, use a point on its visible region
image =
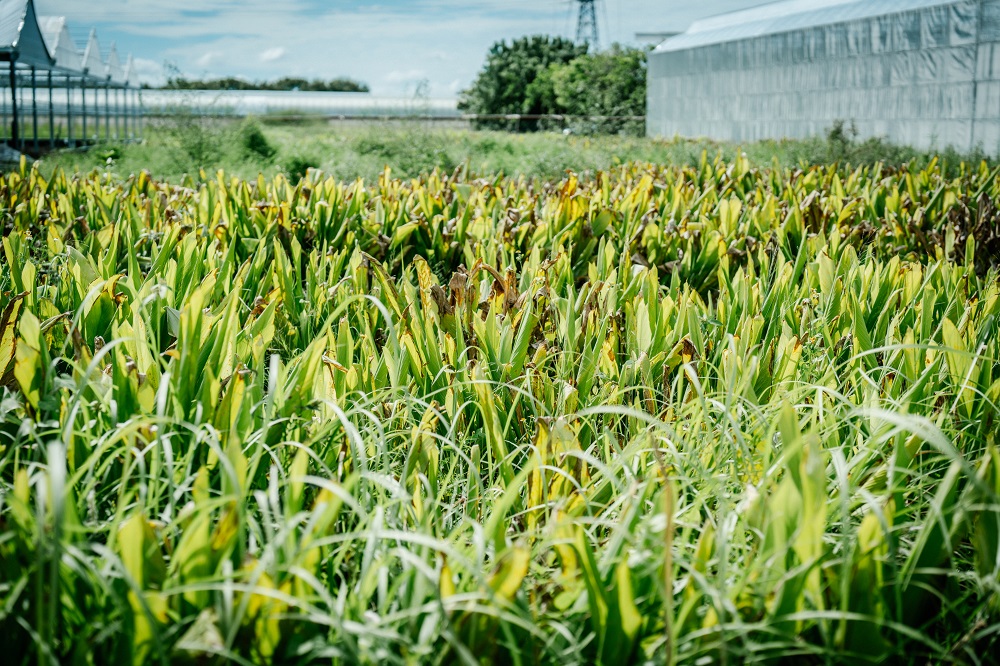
(187, 145)
(283, 84)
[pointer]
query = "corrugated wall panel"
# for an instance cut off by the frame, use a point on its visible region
(929, 77)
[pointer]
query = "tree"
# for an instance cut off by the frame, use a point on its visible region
(610, 83)
(286, 83)
(516, 79)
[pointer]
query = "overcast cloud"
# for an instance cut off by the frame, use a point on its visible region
(392, 45)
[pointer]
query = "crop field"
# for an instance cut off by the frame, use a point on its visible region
(703, 414)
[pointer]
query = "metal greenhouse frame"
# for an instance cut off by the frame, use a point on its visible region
(54, 94)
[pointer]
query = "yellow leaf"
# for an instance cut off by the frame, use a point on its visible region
(513, 568)
(447, 582)
(225, 532)
(8, 337)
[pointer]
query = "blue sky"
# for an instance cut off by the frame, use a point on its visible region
(391, 44)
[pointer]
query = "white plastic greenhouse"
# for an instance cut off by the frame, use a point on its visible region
(919, 72)
(55, 94)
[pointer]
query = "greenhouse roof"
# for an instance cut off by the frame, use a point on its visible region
(20, 37)
(114, 66)
(60, 43)
(92, 63)
(46, 43)
(786, 16)
(129, 74)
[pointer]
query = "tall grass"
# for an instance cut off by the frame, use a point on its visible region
(664, 415)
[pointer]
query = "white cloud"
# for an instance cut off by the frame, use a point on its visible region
(391, 46)
(149, 71)
(407, 76)
(272, 54)
(206, 59)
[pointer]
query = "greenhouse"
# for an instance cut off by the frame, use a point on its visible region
(54, 93)
(919, 72)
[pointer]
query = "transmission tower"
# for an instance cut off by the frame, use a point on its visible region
(586, 23)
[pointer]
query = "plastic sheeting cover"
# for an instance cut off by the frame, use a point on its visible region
(60, 43)
(92, 63)
(114, 69)
(920, 72)
(129, 76)
(19, 33)
(786, 16)
(11, 19)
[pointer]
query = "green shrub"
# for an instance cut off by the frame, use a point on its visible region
(297, 166)
(253, 143)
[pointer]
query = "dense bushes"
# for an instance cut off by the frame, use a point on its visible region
(610, 84)
(551, 76)
(517, 79)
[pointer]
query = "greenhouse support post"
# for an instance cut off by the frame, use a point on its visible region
(52, 116)
(69, 112)
(107, 112)
(15, 130)
(83, 105)
(3, 116)
(34, 110)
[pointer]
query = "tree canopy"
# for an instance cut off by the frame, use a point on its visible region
(285, 83)
(509, 81)
(543, 75)
(611, 84)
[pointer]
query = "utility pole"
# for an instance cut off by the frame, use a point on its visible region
(586, 24)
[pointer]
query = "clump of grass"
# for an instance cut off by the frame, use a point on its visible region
(297, 166)
(694, 414)
(407, 152)
(253, 143)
